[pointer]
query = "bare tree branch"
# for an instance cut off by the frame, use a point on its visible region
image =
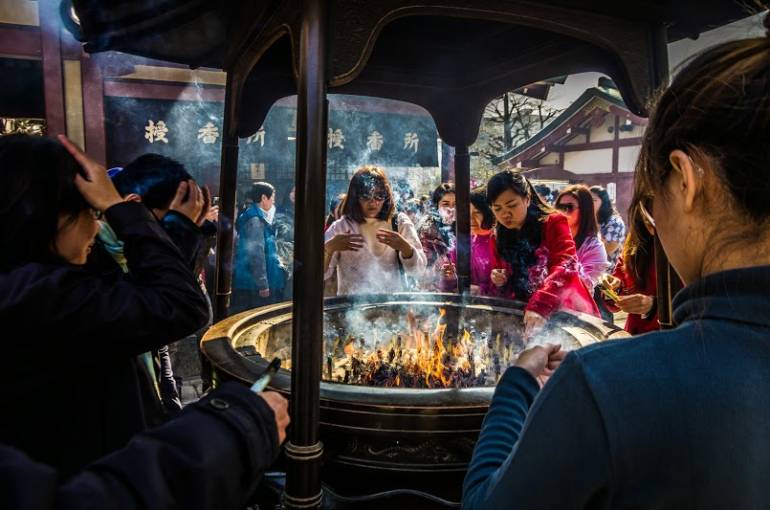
(510, 121)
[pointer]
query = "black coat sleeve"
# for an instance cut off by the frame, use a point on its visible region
(209, 457)
(187, 236)
(552, 455)
(158, 302)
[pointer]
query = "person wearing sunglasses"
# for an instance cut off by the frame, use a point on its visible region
(676, 418)
(575, 202)
(372, 249)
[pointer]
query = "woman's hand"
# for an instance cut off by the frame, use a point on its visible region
(395, 241)
(541, 361)
(638, 304)
(533, 322)
(188, 200)
(499, 277)
(96, 187)
(280, 408)
(344, 242)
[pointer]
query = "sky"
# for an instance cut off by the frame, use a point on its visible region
(562, 95)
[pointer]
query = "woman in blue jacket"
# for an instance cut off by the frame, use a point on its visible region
(677, 418)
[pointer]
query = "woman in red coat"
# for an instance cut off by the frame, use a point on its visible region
(536, 257)
(634, 278)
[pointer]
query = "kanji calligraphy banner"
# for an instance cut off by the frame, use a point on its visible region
(191, 133)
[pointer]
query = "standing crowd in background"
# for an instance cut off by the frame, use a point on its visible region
(560, 253)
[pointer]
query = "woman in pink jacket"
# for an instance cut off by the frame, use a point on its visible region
(577, 204)
(482, 258)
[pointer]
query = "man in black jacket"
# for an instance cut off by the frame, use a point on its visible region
(209, 457)
(154, 180)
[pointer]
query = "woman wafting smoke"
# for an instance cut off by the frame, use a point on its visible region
(371, 248)
(536, 260)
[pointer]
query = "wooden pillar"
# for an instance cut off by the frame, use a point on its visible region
(463, 217)
(228, 180)
(93, 108)
(53, 79)
(304, 450)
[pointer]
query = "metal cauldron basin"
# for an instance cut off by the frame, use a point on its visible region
(388, 437)
(384, 429)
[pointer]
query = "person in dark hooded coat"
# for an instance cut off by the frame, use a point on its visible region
(175, 466)
(71, 336)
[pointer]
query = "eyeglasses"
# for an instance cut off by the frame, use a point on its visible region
(567, 208)
(646, 214)
(368, 197)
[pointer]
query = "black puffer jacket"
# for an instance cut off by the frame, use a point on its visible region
(68, 379)
(177, 466)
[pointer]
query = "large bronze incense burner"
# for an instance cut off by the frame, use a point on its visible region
(421, 424)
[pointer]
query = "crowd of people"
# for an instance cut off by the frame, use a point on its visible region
(553, 248)
(554, 257)
(100, 272)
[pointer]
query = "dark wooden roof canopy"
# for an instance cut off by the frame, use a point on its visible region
(449, 56)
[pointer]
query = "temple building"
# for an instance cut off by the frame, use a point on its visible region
(596, 140)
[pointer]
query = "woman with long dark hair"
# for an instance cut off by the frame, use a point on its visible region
(72, 336)
(536, 260)
(674, 418)
(482, 249)
(634, 279)
(611, 225)
(576, 204)
(371, 248)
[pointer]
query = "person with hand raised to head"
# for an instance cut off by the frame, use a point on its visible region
(73, 334)
(181, 207)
